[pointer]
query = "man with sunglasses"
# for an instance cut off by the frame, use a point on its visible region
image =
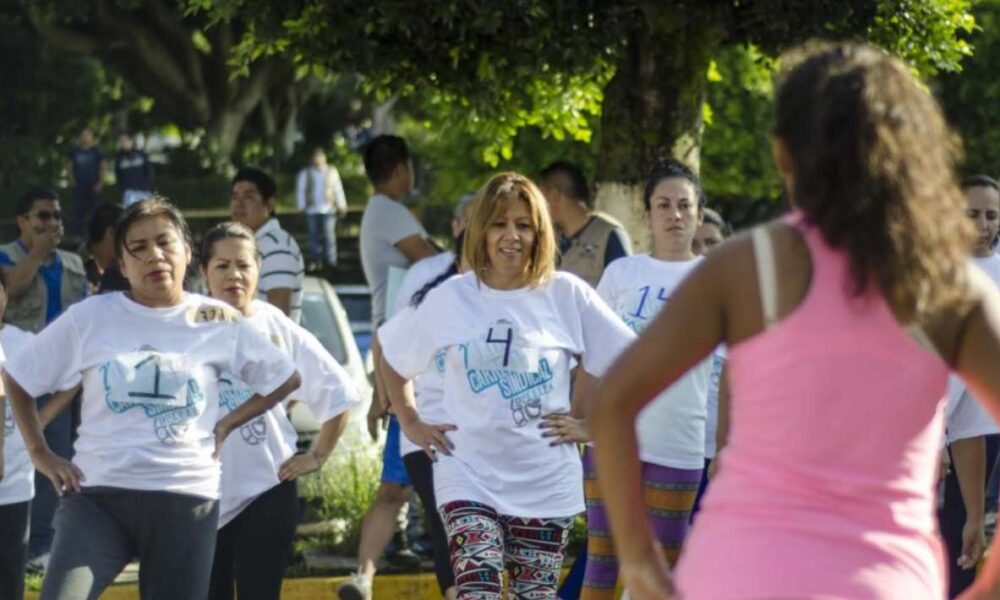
(42, 281)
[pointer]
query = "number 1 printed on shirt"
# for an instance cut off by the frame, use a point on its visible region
(661, 296)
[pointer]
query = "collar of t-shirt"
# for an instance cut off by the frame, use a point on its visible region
(566, 241)
(165, 312)
(271, 226)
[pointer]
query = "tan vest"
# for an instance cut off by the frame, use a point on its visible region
(27, 310)
(585, 255)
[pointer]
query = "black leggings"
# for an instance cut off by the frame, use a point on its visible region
(421, 471)
(13, 549)
(253, 549)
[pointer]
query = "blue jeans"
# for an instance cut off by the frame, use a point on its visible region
(85, 200)
(59, 437)
(322, 237)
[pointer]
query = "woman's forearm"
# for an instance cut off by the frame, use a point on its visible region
(258, 405)
(329, 434)
(26, 415)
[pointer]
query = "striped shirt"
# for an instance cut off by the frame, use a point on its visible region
(281, 265)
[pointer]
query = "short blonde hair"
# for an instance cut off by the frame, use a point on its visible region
(490, 203)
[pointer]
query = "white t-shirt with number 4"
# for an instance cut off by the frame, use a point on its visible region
(18, 483)
(252, 455)
(671, 429)
(506, 364)
(150, 385)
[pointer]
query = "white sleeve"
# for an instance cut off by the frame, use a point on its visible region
(326, 387)
(339, 198)
(607, 287)
(50, 361)
(605, 335)
(400, 224)
(966, 417)
(300, 189)
(279, 268)
(257, 361)
(407, 339)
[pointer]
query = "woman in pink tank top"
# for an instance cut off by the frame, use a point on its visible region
(837, 368)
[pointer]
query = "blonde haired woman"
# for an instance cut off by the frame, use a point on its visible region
(506, 334)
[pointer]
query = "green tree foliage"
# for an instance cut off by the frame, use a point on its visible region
(972, 98)
(550, 65)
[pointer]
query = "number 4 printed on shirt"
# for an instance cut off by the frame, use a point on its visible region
(661, 296)
(505, 341)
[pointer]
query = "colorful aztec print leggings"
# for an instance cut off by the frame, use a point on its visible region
(484, 544)
(669, 495)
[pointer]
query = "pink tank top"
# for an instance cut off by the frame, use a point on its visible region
(826, 486)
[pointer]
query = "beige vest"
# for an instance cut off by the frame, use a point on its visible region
(585, 255)
(27, 311)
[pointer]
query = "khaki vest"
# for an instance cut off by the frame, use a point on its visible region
(27, 311)
(585, 255)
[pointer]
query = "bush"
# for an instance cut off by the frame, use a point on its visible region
(341, 492)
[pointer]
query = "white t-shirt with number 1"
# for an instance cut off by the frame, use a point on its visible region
(671, 429)
(150, 385)
(252, 455)
(506, 364)
(18, 483)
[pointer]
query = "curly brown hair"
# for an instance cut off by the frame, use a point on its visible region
(873, 164)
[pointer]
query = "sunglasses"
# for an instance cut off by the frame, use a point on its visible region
(45, 215)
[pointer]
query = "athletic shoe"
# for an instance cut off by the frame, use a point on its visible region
(355, 588)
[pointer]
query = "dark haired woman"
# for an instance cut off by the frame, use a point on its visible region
(258, 508)
(671, 430)
(144, 481)
(874, 306)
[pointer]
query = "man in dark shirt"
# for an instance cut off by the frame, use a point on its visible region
(86, 176)
(133, 171)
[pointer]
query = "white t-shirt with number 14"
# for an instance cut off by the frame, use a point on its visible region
(150, 385)
(671, 429)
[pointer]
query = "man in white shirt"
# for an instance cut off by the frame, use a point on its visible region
(319, 193)
(390, 235)
(251, 203)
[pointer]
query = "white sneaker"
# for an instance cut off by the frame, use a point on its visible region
(357, 587)
(39, 564)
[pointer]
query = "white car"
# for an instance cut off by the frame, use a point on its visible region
(324, 316)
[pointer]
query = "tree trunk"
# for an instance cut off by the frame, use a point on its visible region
(653, 106)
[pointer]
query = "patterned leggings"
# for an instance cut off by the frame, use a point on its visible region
(484, 544)
(669, 495)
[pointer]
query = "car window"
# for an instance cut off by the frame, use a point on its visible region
(318, 319)
(358, 307)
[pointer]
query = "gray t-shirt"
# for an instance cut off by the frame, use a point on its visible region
(383, 225)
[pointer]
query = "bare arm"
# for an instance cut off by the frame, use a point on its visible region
(688, 328)
(56, 404)
(256, 405)
(62, 473)
(722, 423)
(101, 168)
(400, 391)
(281, 298)
(415, 247)
(969, 460)
(322, 448)
(978, 355)
(379, 407)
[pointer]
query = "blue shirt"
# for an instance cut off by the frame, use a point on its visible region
(52, 276)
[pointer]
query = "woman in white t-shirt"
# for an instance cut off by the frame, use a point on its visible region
(258, 507)
(671, 430)
(505, 334)
(144, 481)
(967, 424)
(17, 475)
